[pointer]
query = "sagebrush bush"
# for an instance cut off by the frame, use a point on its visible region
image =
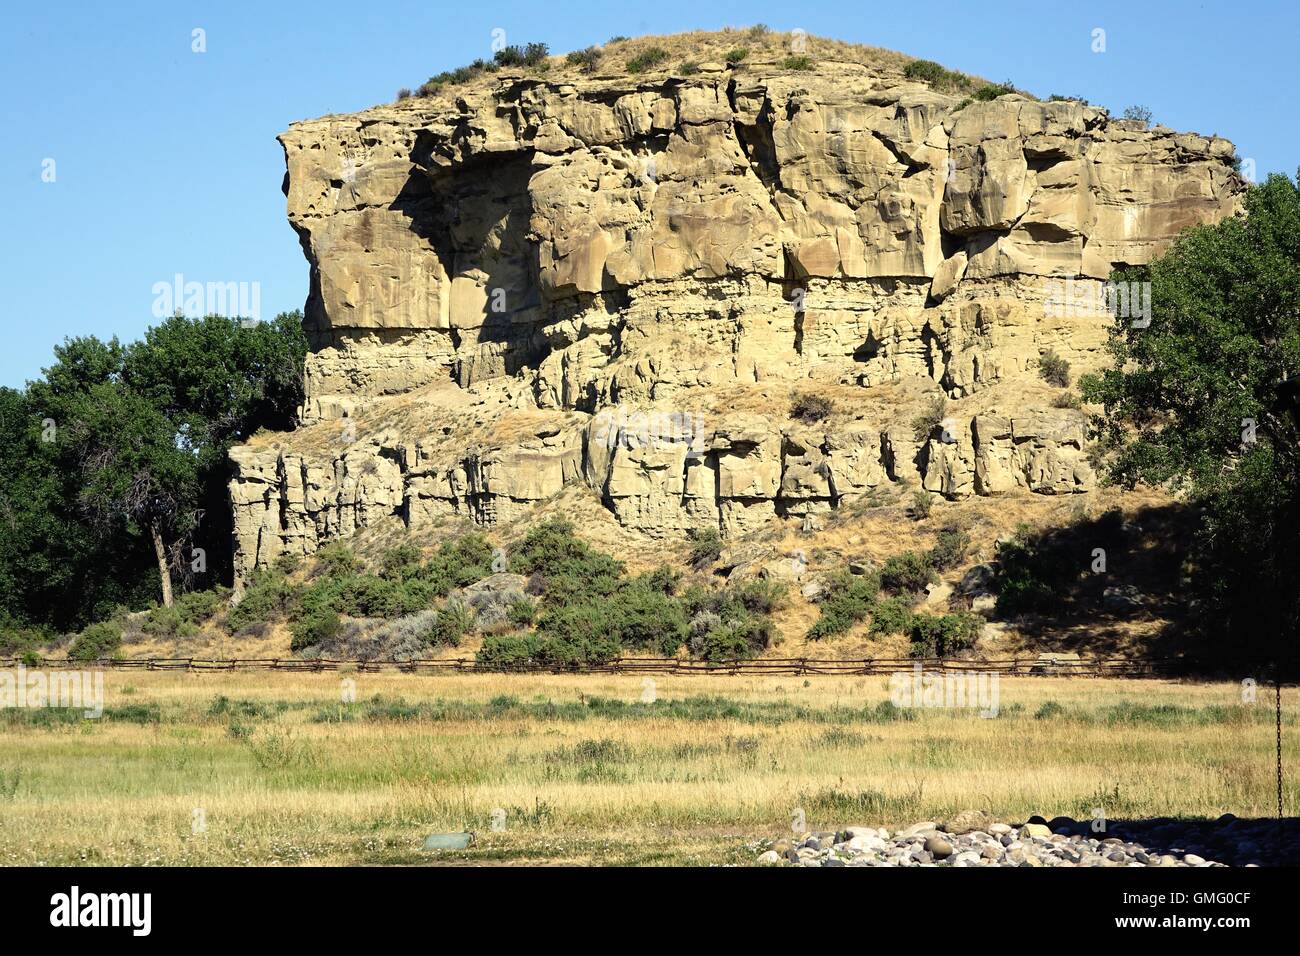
(797, 63)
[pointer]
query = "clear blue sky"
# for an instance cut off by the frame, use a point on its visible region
(166, 160)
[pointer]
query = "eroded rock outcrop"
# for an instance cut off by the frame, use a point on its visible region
(577, 251)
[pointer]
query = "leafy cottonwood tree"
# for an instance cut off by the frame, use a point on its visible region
(1205, 400)
(137, 471)
(133, 465)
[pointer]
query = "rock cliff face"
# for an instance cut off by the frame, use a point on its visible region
(618, 281)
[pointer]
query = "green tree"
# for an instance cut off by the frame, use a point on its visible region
(1204, 400)
(116, 459)
(137, 471)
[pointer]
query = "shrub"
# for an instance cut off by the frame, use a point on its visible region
(97, 642)
(568, 569)
(365, 595)
(401, 563)
(450, 624)
(1048, 709)
(198, 606)
(688, 68)
(1067, 400)
(945, 634)
(949, 549)
(531, 55)
(848, 599)
(991, 91)
(509, 652)
(321, 624)
(737, 639)
(891, 616)
(1139, 113)
(736, 55)
(266, 599)
(520, 612)
(168, 622)
(587, 59)
(936, 410)
(337, 559)
(1054, 369)
(909, 572)
(706, 547)
(403, 638)
(646, 59)
(459, 563)
(649, 620)
(1058, 98)
(617, 39)
(797, 63)
(922, 504)
(759, 596)
(937, 76)
(18, 640)
(662, 579)
(809, 408)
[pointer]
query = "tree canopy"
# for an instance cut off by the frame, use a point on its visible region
(114, 463)
(1204, 400)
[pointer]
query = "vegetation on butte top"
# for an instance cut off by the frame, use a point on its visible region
(755, 49)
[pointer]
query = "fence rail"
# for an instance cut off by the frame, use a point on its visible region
(786, 666)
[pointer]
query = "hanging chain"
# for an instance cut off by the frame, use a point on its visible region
(1277, 700)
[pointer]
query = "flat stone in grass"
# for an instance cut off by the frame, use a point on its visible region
(448, 841)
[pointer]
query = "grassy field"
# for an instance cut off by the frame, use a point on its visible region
(278, 770)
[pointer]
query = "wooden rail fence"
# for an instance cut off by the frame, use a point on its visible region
(791, 666)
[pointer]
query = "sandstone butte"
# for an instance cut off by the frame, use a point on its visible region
(597, 292)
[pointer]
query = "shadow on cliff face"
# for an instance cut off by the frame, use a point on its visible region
(476, 224)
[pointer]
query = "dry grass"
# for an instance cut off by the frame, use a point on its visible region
(593, 776)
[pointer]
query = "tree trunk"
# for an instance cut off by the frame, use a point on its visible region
(164, 572)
